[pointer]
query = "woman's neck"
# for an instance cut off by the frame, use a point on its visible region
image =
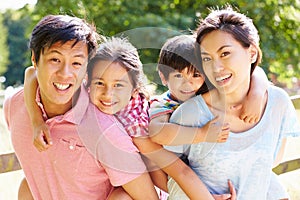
(224, 100)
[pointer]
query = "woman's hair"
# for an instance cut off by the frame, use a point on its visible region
(62, 28)
(120, 50)
(178, 53)
(238, 25)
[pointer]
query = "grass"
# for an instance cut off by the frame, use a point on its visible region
(9, 182)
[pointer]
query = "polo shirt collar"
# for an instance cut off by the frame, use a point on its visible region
(75, 114)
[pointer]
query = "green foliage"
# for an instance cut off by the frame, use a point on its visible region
(3, 47)
(19, 56)
(149, 23)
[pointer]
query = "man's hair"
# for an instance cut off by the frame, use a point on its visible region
(62, 28)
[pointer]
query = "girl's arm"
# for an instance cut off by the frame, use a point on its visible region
(165, 133)
(252, 109)
(42, 139)
(174, 167)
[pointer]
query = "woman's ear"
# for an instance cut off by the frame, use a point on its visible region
(253, 53)
(162, 78)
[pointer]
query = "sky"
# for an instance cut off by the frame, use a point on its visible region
(16, 4)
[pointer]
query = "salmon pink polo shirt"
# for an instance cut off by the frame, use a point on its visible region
(91, 152)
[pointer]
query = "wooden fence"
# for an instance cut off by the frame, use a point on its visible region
(9, 161)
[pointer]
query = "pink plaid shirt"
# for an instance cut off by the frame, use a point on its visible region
(134, 117)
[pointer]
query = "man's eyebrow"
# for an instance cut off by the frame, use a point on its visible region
(81, 55)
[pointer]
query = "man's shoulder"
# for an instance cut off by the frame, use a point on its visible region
(14, 96)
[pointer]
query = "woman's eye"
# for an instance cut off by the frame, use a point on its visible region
(225, 54)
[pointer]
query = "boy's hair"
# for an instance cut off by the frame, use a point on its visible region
(238, 25)
(120, 50)
(178, 53)
(62, 28)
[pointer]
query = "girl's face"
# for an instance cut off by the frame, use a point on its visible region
(226, 62)
(111, 88)
(183, 85)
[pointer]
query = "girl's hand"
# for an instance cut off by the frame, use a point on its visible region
(41, 137)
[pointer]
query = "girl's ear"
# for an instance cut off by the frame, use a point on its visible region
(33, 60)
(253, 53)
(135, 93)
(162, 78)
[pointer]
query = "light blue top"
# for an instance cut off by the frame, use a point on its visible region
(246, 158)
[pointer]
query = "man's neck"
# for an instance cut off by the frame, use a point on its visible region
(53, 110)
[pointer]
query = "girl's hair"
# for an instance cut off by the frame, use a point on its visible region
(178, 53)
(120, 50)
(238, 25)
(62, 28)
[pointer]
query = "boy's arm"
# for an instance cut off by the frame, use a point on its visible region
(253, 107)
(165, 133)
(42, 139)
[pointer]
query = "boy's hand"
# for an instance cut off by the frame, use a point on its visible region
(231, 196)
(216, 131)
(251, 109)
(41, 137)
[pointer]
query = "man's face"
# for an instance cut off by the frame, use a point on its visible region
(60, 71)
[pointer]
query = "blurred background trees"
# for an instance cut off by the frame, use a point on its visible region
(149, 23)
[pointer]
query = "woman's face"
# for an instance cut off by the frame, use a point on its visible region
(226, 62)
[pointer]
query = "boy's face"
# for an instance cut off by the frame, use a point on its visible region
(60, 71)
(111, 88)
(183, 85)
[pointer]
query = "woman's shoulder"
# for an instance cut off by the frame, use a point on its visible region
(277, 93)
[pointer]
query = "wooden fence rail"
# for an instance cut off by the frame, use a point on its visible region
(9, 161)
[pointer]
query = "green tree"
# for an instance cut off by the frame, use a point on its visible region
(149, 23)
(3, 47)
(19, 56)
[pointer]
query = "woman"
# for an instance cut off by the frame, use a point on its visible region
(229, 46)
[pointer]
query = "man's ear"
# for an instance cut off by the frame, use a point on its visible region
(33, 61)
(162, 78)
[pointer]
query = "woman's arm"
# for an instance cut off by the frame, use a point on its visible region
(42, 139)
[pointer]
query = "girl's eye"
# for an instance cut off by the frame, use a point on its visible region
(99, 83)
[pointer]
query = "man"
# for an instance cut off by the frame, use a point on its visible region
(71, 168)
